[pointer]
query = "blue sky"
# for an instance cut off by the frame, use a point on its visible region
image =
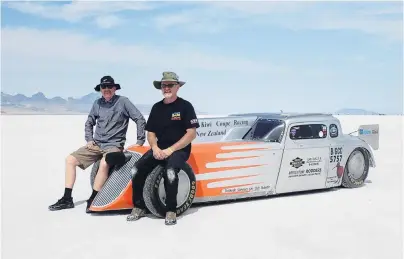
(235, 56)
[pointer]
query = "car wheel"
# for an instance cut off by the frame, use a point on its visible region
(154, 191)
(356, 169)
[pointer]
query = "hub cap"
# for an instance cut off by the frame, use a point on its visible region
(356, 164)
(184, 188)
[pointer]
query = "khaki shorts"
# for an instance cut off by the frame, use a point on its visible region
(87, 156)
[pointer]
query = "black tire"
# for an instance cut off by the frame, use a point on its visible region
(352, 178)
(154, 193)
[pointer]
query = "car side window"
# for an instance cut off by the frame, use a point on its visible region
(308, 131)
(333, 131)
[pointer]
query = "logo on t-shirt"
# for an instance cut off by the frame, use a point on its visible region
(194, 121)
(176, 116)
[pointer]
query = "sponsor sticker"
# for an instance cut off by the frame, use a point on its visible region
(367, 132)
(314, 161)
(333, 131)
(176, 116)
(297, 162)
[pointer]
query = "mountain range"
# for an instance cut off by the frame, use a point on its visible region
(354, 111)
(40, 104)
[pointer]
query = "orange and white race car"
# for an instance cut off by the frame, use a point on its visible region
(251, 155)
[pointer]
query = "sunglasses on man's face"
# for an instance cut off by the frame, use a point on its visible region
(107, 86)
(168, 85)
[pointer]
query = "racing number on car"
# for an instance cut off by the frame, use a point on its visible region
(336, 154)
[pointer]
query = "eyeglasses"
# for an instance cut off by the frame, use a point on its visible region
(107, 86)
(168, 85)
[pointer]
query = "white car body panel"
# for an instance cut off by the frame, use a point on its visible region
(291, 165)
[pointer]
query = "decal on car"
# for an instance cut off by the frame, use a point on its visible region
(335, 154)
(337, 170)
(309, 162)
(333, 131)
(297, 162)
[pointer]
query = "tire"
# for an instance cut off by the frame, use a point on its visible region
(356, 172)
(154, 192)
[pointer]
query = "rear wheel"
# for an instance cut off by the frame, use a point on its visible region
(154, 192)
(356, 169)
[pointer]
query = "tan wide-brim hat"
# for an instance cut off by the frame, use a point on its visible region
(168, 77)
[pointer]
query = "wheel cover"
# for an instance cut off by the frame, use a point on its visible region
(356, 164)
(184, 188)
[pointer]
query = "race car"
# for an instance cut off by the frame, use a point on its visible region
(251, 155)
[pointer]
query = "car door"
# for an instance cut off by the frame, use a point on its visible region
(305, 160)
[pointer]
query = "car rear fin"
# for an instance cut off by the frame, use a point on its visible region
(370, 134)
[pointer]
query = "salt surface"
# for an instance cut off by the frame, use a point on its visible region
(341, 224)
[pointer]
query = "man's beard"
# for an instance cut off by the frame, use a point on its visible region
(167, 95)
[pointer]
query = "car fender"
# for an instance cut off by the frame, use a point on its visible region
(351, 142)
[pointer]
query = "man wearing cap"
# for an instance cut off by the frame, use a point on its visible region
(171, 127)
(110, 115)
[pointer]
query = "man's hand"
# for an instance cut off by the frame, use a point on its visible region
(158, 153)
(167, 152)
(90, 144)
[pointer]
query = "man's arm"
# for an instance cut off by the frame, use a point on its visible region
(152, 139)
(185, 140)
(89, 125)
(191, 124)
(138, 118)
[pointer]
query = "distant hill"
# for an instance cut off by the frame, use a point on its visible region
(40, 104)
(353, 111)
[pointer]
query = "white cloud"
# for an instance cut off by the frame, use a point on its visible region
(193, 21)
(262, 7)
(55, 46)
(64, 63)
(362, 20)
(216, 16)
(108, 21)
(101, 11)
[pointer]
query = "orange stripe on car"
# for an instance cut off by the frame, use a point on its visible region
(205, 153)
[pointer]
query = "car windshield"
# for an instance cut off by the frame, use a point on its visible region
(266, 130)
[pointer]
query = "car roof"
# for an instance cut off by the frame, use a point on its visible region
(290, 117)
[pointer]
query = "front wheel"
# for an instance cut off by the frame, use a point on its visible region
(356, 169)
(154, 192)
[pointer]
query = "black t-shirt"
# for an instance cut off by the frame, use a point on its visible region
(170, 121)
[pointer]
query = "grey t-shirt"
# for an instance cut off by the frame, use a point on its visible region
(111, 120)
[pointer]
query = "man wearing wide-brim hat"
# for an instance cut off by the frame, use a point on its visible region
(168, 77)
(110, 115)
(171, 128)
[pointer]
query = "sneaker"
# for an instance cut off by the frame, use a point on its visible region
(63, 203)
(171, 218)
(136, 214)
